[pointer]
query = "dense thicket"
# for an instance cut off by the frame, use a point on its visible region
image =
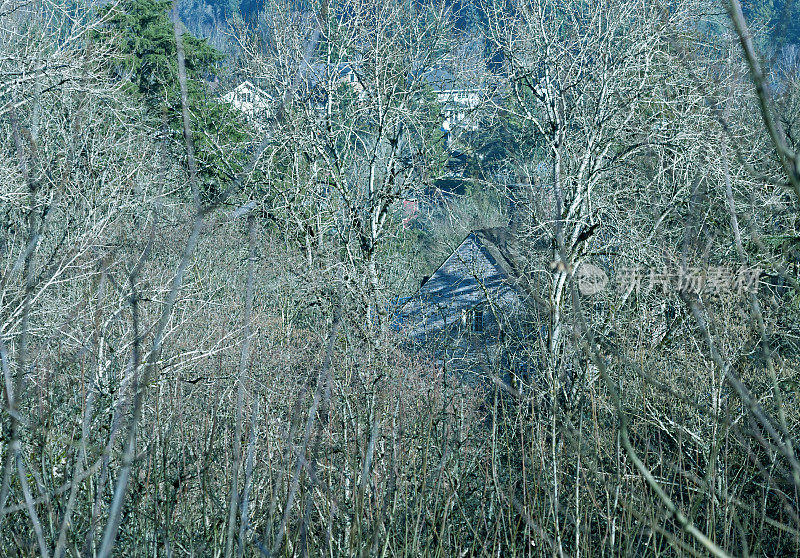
(196, 299)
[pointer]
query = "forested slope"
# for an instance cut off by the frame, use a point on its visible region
(197, 335)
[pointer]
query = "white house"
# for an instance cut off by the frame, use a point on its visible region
(249, 99)
(458, 99)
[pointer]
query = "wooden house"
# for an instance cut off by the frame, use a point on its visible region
(471, 310)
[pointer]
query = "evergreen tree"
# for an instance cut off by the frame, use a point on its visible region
(143, 36)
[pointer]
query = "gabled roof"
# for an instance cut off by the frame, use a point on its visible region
(503, 246)
(341, 72)
(248, 98)
(442, 80)
(465, 264)
(483, 268)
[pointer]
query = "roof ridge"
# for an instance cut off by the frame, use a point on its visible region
(505, 250)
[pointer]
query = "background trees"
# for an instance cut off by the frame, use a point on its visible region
(145, 60)
(675, 146)
(364, 128)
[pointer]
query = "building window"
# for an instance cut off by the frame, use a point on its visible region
(472, 319)
(477, 319)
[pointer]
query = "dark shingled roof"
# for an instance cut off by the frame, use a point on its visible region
(484, 268)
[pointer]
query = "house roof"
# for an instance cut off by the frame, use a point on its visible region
(248, 98)
(320, 71)
(442, 80)
(485, 267)
(503, 245)
(247, 86)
